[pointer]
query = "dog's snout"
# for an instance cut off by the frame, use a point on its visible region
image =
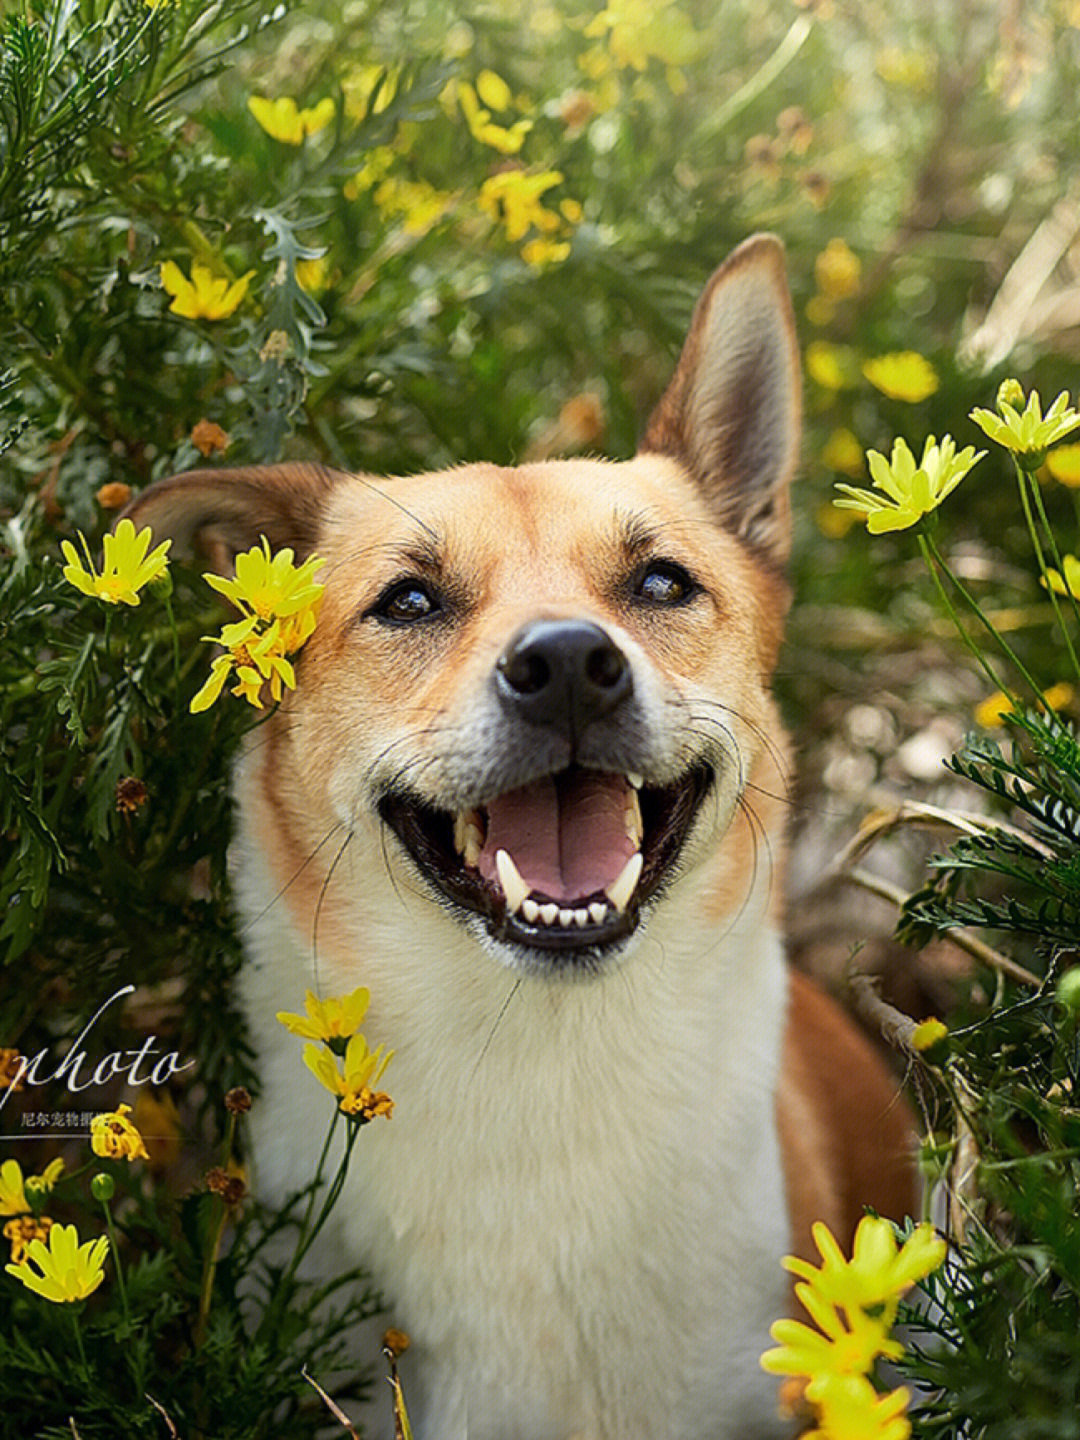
(562, 674)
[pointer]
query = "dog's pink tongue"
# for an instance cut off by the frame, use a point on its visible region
(566, 834)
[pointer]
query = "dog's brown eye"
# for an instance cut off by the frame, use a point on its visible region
(662, 582)
(405, 602)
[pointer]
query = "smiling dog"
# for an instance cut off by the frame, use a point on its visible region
(531, 791)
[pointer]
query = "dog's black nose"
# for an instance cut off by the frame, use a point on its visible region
(562, 674)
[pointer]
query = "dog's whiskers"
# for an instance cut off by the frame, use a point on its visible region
(291, 880)
(324, 887)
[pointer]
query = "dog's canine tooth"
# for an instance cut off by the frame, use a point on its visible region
(620, 890)
(597, 911)
(514, 887)
(581, 918)
(635, 780)
(635, 828)
(549, 913)
(531, 910)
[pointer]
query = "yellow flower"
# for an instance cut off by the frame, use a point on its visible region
(284, 120)
(513, 197)
(640, 30)
(22, 1230)
(879, 1270)
(1027, 433)
(990, 713)
(507, 140)
(329, 1019)
(1064, 465)
(928, 1033)
(13, 1199)
(113, 1136)
(1069, 584)
(279, 602)
(542, 251)
(313, 275)
(205, 296)
(838, 271)
(902, 375)
(419, 204)
(125, 569)
(908, 492)
(66, 1271)
(829, 366)
(849, 1408)
(270, 585)
(361, 1069)
(843, 452)
(834, 1348)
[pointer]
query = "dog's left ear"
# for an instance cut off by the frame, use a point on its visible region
(732, 411)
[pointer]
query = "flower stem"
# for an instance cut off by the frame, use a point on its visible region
(935, 562)
(206, 1289)
(121, 1284)
(78, 1337)
(1025, 481)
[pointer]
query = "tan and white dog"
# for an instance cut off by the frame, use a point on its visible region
(531, 791)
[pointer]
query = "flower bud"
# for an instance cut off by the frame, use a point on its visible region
(1010, 392)
(102, 1187)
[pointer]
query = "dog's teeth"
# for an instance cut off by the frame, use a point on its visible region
(566, 918)
(468, 836)
(635, 780)
(530, 909)
(549, 914)
(597, 911)
(620, 890)
(634, 826)
(514, 887)
(581, 918)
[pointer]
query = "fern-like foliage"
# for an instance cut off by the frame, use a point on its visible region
(1014, 880)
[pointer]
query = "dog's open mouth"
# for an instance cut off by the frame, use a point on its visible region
(563, 863)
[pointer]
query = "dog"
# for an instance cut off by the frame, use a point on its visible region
(531, 791)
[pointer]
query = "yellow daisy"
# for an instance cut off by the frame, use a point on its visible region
(334, 1018)
(66, 1271)
(126, 567)
(205, 296)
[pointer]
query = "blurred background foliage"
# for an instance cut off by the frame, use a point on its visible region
(397, 234)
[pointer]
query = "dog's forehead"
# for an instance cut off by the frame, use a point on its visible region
(534, 507)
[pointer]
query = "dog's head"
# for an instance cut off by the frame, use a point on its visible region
(549, 684)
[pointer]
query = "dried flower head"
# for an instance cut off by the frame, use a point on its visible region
(237, 1100)
(231, 1188)
(12, 1069)
(24, 1228)
(131, 795)
(113, 1136)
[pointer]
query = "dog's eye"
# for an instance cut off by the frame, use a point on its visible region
(662, 582)
(406, 602)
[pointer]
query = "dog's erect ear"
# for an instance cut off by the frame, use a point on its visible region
(225, 511)
(732, 412)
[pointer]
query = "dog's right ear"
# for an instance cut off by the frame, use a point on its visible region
(221, 512)
(731, 414)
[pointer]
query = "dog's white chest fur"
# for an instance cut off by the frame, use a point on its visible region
(577, 1209)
